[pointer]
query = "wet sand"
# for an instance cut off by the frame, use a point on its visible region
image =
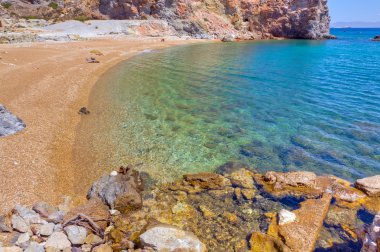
(45, 84)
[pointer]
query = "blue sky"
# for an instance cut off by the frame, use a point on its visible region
(354, 10)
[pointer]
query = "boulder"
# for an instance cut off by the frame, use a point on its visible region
(76, 234)
(47, 229)
(9, 123)
(5, 224)
(170, 238)
(228, 38)
(260, 242)
(57, 241)
(19, 224)
(207, 180)
(44, 209)
(372, 236)
(242, 178)
(301, 234)
(370, 185)
(121, 192)
(294, 179)
(35, 247)
(376, 38)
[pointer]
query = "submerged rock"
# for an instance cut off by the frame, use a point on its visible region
(376, 38)
(9, 123)
(207, 180)
(295, 179)
(170, 238)
(260, 242)
(370, 185)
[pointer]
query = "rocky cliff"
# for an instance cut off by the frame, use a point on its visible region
(306, 19)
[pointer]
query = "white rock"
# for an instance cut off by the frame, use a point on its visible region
(19, 224)
(30, 216)
(23, 239)
(57, 241)
(285, 216)
(35, 247)
(113, 173)
(170, 238)
(114, 212)
(11, 249)
(76, 234)
(47, 229)
(58, 228)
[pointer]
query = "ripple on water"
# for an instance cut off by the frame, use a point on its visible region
(277, 105)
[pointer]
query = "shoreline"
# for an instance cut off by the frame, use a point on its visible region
(48, 102)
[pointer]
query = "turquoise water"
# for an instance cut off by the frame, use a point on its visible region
(270, 105)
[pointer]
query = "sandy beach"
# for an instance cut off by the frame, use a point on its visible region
(45, 84)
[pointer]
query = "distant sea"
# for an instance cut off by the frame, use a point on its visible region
(269, 105)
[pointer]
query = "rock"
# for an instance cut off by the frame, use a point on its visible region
(66, 205)
(5, 224)
(228, 38)
(170, 238)
(10, 249)
(23, 240)
(19, 224)
(376, 38)
(370, 185)
(44, 209)
(372, 236)
(30, 216)
(76, 234)
(92, 60)
(242, 178)
(57, 241)
(230, 217)
(285, 216)
(93, 239)
(84, 111)
(34, 247)
(47, 229)
(301, 234)
(260, 242)
(207, 213)
(207, 180)
(294, 179)
(103, 248)
(113, 173)
(346, 193)
(56, 217)
(9, 123)
(121, 192)
(248, 194)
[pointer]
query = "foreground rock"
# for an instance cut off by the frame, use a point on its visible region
(170, 238)
(121, 192)
(9, 123)
(370, 186)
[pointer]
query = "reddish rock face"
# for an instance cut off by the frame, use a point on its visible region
(203, 18)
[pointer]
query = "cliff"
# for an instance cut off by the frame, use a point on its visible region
(246, 19)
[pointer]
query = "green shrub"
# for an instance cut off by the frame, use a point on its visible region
(53, 5)
(6, 5)
(81, 18)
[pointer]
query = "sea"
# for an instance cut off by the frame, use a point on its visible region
(282, 105)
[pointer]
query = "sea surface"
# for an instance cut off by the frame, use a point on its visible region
(269, 105)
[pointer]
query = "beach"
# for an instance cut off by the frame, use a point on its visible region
(45, 84)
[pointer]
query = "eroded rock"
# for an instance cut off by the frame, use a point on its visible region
(121, 192)
(207, 180)
(370, 185)
(170, 238)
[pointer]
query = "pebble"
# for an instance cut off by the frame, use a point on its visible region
(103, 248)
(56, 217)
(23, 239)
(93, 239)
(76, 234)
(19, 224)
(57, 241)
(285, 216)
(11, 249)
(113, 173)
(47, 229)
(34, 247)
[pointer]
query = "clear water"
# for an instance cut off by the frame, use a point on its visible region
(272, 105)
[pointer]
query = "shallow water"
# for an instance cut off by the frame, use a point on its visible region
(272, 105)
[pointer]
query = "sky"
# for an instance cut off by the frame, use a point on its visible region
(354, 10)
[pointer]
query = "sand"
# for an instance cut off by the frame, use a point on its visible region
(45, 84)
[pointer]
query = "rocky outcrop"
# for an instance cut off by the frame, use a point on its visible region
(376, 38)
(9, 123)
(246, 19)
